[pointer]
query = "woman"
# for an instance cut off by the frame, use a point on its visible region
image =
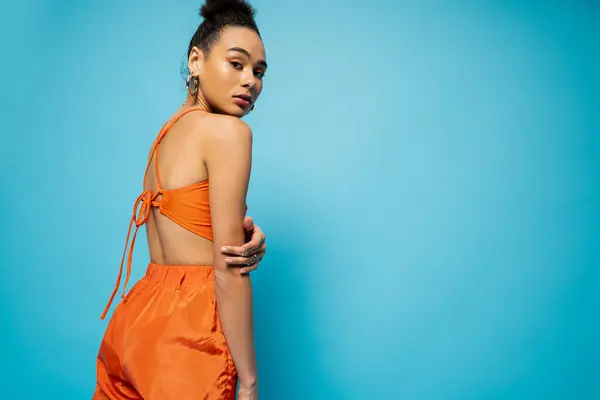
(165, 339)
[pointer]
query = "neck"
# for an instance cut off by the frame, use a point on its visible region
(198, 101)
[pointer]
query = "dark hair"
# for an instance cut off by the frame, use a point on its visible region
(217, 15)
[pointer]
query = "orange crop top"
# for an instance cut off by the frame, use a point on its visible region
(187, 206)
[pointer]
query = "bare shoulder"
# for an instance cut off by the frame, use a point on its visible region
(217, 128)
(227, 145)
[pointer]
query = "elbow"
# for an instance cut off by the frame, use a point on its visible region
(228, 277)
(230, 283)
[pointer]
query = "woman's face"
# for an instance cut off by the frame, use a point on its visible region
(231, 75)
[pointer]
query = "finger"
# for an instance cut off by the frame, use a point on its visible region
(240, 251)
(238, 261)
(247, 270)
(257, 239)
(245, 261)
(260, 250)
(234, 251)
(250, 248)
(248, 223)
(250, 268)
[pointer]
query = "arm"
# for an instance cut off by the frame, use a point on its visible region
(228, 160)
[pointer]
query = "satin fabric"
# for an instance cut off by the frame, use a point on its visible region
(164, 341)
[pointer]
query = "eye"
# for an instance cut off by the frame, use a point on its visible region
(236, 65)
(259, 74)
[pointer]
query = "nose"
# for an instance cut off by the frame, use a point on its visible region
(249, 81)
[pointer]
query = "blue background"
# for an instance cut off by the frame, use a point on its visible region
(427, 173)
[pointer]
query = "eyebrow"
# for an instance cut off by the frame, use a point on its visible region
(244, 51)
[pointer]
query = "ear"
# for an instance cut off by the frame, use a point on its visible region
(196, 61)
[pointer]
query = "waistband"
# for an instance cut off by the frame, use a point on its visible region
(178, 275)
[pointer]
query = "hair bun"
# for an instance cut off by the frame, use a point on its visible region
(212, 9)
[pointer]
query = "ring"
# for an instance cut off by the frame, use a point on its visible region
(256, 259)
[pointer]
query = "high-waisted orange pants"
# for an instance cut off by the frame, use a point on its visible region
(164, 340)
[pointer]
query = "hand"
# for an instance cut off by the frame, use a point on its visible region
(248, 392)
(243, 257)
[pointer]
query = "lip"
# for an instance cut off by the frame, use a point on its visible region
(243, 100)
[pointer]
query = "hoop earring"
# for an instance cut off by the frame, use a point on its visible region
(192, 83)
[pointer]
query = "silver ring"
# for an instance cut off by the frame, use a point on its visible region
(256, 259)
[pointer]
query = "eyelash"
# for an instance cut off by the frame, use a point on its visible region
(235, 65)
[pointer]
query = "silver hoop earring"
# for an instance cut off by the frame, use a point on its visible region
(192, 82)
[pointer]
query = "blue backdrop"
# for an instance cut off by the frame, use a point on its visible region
(428, 175)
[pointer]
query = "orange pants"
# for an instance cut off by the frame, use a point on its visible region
(164, 340)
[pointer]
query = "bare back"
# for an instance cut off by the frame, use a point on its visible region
(180, 163)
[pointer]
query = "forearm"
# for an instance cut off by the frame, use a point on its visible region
(234, 304)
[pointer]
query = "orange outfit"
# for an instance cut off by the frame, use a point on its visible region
(165, 340)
